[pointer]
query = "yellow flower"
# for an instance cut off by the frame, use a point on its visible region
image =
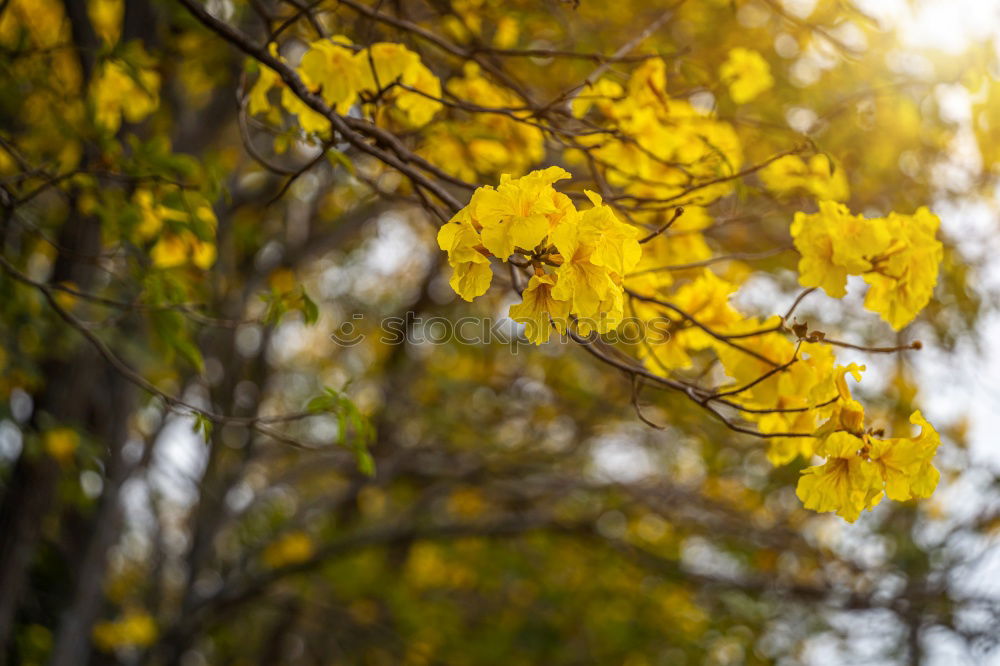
(176, 249)
(861, 468)
(903, 282)
(589, 286)
(847, 483)
(386, 63)
(821, 177)
(802, 385)
(471, 272)
(516, 213)
(615, 244)
(133, 629)
(834, 244)
(332, 69)
(648, 84)
(663, 134)
(706, 298)
(312, 122)
(470, 145)
(291, 548)
(537, 307)
(506, 33)
(151, 219)
(61, 444)
(123, 90)
(905, 463)
(601, 94)
(106, 16)
(257, 101)
(898, 257)
(747, 74)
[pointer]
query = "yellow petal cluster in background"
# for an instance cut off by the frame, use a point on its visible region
(470, 145)
(133, 629)
(291, 548)
(61, 444)
(183, 234)
(897, 255)
(407, 91)
(578, 257)
(747, 74)
(663, 133)
(818, 176)
(799, 396)
(861, 468)
(124, 89)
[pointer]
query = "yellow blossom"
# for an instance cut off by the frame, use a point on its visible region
(61, 444)
(332, 69)
(257, 100)
(538, 307)
(386, 63)
(131, 630)
(847, 483)
(595, 295)
(902, 282)
(291, 548)
(905, 463)
(861, 467)
(616, 247)
(834, 244)
(471, 272)
(121, 89)
(311, 121)
(515, 214)
(820, 176)
(176, 249)
(470, 145)
(506, 33)
(747, 74)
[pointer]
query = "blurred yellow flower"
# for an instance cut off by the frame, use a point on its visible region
(291, 548)
(135, 628)
(747, 74)
(61, 444)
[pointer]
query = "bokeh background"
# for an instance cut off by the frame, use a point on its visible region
(519, 511)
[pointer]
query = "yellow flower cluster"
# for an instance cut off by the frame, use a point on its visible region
(133, 629)
(578, 257)
(860, 468)
(408, 92)
(897, 255)
(470, 145)
(796, 400)
(747, 74)
(806, 396)
(183, 234)
(671, 146)
(61, 444)
(121, 89)
(818, 176)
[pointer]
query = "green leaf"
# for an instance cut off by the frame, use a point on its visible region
(309, 309)
(203, 425)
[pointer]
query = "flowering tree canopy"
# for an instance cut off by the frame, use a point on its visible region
(471, 331)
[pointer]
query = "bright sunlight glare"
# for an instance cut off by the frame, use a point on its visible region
(949, 25)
